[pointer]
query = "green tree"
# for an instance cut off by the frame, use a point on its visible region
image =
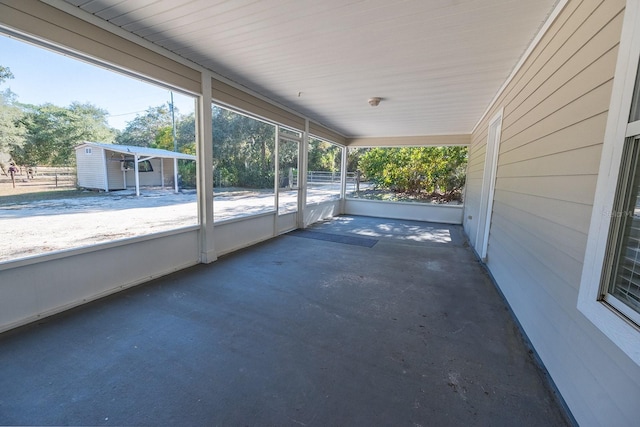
(12, 132)
(243, 150)
(185, 142)
(433, 170)
(5, 74)
(186, 133)
(53, 132)
(142, 130)
(324, 156)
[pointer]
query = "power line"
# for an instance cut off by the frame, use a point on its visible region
(125, 114)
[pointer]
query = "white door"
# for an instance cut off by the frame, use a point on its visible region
(488, 186)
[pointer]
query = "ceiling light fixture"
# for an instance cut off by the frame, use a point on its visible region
(374, 101)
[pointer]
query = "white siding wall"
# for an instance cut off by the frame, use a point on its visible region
(90, 168)
(168, 172)
(555, 111)
(114, 172)
(447, 214)
(34, 288)
(146, 178)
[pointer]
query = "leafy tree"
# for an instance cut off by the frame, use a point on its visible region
(53, 132)
(185, 142)
(186, 134)
(143, 130)
(11, 131)
(243, 150)
(324, 156)
(5, 74)
(433, 170)
(164, 138)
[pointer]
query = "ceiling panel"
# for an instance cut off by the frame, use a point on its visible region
(437, 64)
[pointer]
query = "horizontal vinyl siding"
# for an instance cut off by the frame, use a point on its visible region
(90, 168)
(326, 134)
(555, 112)
(45, 22)
(115, 175)
(473, 188)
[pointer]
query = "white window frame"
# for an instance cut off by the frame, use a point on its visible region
(624, 333)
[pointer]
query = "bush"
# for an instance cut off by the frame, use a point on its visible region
(431, 170)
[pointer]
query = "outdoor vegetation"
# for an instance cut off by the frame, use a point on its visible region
(244, 150)
(428, 174)
(46, 135)
(41, 207)
(40, 140)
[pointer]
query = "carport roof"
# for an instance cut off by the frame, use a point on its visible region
(140, 151)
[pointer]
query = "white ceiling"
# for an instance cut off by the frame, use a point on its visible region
(437, 64)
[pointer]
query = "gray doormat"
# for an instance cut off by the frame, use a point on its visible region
(347, 240)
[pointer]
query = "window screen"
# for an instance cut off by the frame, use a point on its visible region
(624, 283)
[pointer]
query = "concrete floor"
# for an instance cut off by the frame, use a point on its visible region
(296, 331)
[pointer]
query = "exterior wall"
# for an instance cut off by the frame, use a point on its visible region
(147, 178)
(115, 176)
(473, 187)
(447, 214)
(114, 172)
(555, 111)
(318, 211)
(168, 172)
(37, 287)
(240, 233)
(90, 168)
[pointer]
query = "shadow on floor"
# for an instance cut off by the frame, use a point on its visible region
(291, 332)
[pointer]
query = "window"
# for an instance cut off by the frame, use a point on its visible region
(620, 286)
(143, 166)
(324, 171)
(288, 167)
(408, 174)
(609, 290)
(45, 120)
(244, 165)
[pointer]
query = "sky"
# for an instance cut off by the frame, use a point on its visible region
(42, 76)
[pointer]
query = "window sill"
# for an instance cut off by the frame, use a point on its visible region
(619, 329)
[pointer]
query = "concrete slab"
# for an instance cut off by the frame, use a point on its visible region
(291, 332)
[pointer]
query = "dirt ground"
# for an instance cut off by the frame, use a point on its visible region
(37, 184)
(32, 226)
(37, 217)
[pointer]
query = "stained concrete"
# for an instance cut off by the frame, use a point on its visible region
(291, 332)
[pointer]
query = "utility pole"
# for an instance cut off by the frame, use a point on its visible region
(173, 123)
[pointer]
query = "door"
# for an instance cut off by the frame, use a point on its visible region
(488, 186)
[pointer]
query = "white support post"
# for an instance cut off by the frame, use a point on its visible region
(137, 172)
(343, 178)
(204, 171)
(302, 174)
(175, 174)
(162, 172)
(105, 163)
(276, 183)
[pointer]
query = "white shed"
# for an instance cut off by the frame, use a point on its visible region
(117, 167)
